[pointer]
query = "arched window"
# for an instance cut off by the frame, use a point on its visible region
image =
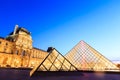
(23, 53)
(11, 51)
(6, 43)
(16, 52)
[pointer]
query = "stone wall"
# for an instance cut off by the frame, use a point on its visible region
(14, 56)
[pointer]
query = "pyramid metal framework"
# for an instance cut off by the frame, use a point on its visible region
(54, 62)
(84, 57)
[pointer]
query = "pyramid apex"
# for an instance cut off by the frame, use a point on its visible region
(82, 41)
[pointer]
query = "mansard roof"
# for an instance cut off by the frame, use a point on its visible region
(20, 29)
(39, 49)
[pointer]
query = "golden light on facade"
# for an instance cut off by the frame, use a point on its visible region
(16, 50)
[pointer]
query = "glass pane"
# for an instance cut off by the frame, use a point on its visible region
(41, 68)
(57, 64)
(67, 64)
(47, 64)
(53, 68)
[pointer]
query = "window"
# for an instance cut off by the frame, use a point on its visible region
(0, 42)
(11, 51)
(4, 49)
(32, 55)
(6, 43)
(23, 53)
(16, 52)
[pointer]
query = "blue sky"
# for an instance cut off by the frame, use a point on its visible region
(63, 23)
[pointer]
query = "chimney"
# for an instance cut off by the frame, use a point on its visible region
(15, 29)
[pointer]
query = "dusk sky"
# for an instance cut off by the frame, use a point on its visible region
(63, 23)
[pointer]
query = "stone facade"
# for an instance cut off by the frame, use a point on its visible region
(16, 50)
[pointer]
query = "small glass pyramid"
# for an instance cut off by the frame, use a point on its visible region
(54, 62)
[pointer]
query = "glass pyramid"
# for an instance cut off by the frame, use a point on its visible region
(84, 57)
(54, 62)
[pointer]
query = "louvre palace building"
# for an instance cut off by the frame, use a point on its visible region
(16, 50)
(18, 54)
